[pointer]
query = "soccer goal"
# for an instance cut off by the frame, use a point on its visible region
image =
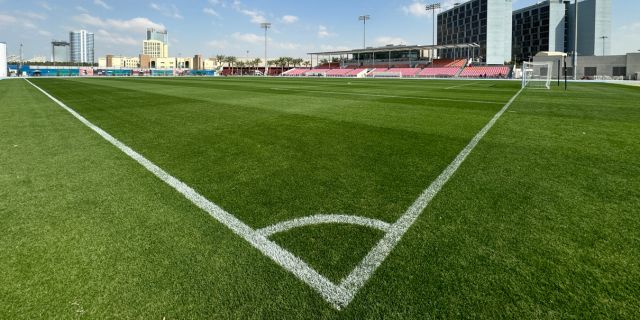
(536, 75)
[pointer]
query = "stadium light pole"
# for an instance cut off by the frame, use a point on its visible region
(265, 26)
(364, 19)
(575, 44)
(603, 43)
(433, 7)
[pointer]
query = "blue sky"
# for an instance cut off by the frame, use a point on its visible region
(231, 27)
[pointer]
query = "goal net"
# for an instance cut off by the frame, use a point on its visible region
(536, 75)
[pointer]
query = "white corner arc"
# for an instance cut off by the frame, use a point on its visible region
(324, 219)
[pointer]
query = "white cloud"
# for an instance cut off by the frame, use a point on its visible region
(21, 22)
(288, 19)
(82, 9)
(134, 25)
(383, 41)
(113, 38)
(45, 33)
(45, 5)
(210, 12)
(35, 16)
(248, 37)
(5, 19)
(323, 32)
(218, 44)
(167, 10)
(255, 15)
(415, 9)
(101, 3)
(288, 45)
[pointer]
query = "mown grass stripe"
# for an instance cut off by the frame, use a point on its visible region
(359, 276)
(327, 289)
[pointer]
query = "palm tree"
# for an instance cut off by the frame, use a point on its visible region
(306, 64)
(231, 60)
(241, 65)
(256, 63)
(220, 59)
(297, 62)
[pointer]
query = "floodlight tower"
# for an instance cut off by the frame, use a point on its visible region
(364, 20)
(433, 7)
(266, 26)
(575, 45)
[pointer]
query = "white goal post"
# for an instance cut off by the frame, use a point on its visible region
(537, 75)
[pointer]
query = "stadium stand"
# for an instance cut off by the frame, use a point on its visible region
(343, 72)
(394, 72)
(485, 72)
(438, 72)
(295, 72)
(405, 72)
(304, 72)
(448, 63)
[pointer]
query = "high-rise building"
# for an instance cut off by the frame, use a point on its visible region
(485, 22)
(155, 49)
(82, 46)
(160, 35)
(3, 60)
(550, 26)
(594, 27)
(60, 51)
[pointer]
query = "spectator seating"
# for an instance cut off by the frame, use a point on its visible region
(448, 63)
(488, 71)
(402, 72)
(438, 72)
(295, 72)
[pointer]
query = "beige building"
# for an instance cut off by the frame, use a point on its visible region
(210, 64)
(163, 63)
(184, 63)
(111, 61)
(155, 49)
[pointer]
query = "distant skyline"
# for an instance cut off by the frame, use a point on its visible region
(232, 27)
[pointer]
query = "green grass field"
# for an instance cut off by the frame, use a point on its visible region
(542, 220)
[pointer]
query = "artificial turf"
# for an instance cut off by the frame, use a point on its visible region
(541, 221)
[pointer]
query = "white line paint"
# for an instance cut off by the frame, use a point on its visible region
(339, 296)
(323, 219)
(462, 85)
(334, 294)
(358, 277)
(385, 96)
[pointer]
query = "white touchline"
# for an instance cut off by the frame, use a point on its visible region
(385, 96)
(339, 296)
(357, 278)
(327, 289)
